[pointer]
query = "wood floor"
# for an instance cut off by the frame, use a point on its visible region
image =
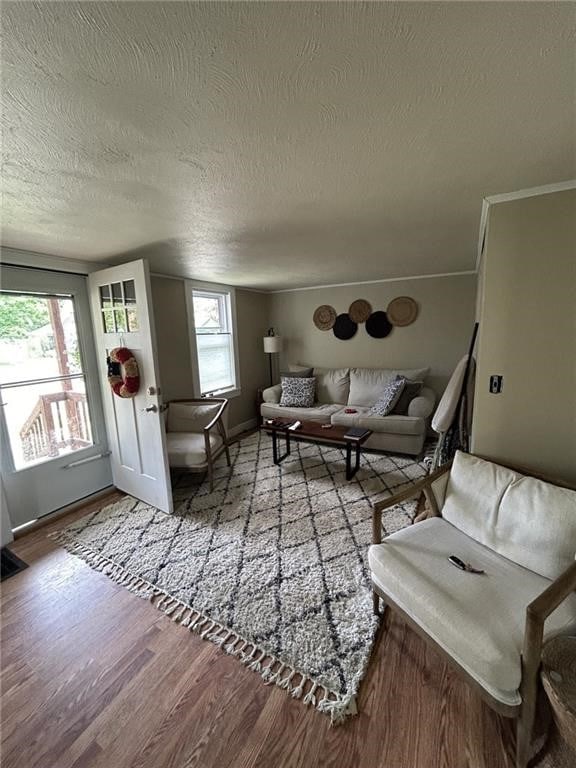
(95, 677)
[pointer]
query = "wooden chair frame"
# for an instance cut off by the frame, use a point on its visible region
(216, 423)
(536, 614)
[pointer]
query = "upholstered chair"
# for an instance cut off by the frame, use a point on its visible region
(518, 533)
(196, 435)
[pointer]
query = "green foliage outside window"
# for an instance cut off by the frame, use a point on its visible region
(20, 315)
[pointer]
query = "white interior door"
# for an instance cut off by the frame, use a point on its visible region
(122, 314)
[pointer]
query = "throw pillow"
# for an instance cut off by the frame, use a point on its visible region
(410, 391)
(389, 397)
(305, 373)
(298, 393)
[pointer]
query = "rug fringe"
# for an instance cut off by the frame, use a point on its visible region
(272, 670)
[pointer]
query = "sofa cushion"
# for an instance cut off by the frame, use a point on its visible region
(298, 392)
(366, 384)
(477, 619)
(320, 413)
(410, 391)
(332, 385)
(389, 397)
(531, 522)
(188, 449)
(305, 373)
(399, 425)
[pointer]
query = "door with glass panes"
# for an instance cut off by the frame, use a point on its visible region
(52, 433)
(123, 317)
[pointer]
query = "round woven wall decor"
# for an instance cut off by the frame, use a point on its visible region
(324, 317)
(344, 328)
(378, 326)
(402, 311)
(360, 310)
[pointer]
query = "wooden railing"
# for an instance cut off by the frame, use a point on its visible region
(58, 421)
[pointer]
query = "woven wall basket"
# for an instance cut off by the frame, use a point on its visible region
(324, 317)
(360, 310)
(402, 311)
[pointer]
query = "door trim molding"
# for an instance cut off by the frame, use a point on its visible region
(14, 257)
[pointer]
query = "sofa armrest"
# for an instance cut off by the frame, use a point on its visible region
(423, 405)
(422, 486)
(272, 394)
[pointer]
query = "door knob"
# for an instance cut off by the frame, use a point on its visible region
(150, 409)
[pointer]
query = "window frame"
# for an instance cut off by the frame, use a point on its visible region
(229, 295)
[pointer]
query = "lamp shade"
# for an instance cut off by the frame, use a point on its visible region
(272, 344)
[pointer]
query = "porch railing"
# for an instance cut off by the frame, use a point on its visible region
(58, 421)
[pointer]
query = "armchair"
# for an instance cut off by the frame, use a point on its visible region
(521, 531)
(196, 435)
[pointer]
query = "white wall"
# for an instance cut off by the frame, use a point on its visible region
(528, 335)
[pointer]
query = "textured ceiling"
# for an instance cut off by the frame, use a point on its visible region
(278, 144)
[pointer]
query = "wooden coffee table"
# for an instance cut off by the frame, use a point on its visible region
(310, 430)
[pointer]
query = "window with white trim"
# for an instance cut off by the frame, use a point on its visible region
(213, 320)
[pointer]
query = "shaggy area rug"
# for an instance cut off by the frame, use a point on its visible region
(271, 566)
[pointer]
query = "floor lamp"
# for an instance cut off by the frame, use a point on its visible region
(272, 345)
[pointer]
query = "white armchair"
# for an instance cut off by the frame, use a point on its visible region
(521, 532)
(196, 435)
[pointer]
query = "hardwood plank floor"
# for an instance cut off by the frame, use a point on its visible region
(95, 677)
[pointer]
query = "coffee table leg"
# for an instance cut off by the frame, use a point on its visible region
(349, 471)
(277, 459)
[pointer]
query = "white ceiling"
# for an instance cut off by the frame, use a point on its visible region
(283, 144)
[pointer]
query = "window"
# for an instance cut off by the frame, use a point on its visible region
(214, 349)
(42, 381)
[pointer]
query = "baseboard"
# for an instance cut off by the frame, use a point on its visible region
(245, 426)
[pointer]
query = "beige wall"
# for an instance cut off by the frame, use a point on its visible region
(252, 311)
(172, 338)
(438, 338)
(528, 335)
(172, 335)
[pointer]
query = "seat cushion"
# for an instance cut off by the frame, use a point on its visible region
(318, 413)
(398, 425)
(187, 449)
(526, 520)
(477, 619)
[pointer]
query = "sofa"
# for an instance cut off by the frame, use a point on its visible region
(338, 389)
(519, 534)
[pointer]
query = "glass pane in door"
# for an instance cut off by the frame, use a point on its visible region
(41, 378)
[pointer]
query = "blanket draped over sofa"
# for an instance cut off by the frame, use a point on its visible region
(339, 389)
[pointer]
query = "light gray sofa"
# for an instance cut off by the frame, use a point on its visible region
(359, 388)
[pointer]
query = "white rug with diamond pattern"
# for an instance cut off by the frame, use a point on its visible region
(271, 566)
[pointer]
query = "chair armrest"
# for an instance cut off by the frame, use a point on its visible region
(272, 394)
(536, 614)
(218, 416)
(414, 490)
(547, 602)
